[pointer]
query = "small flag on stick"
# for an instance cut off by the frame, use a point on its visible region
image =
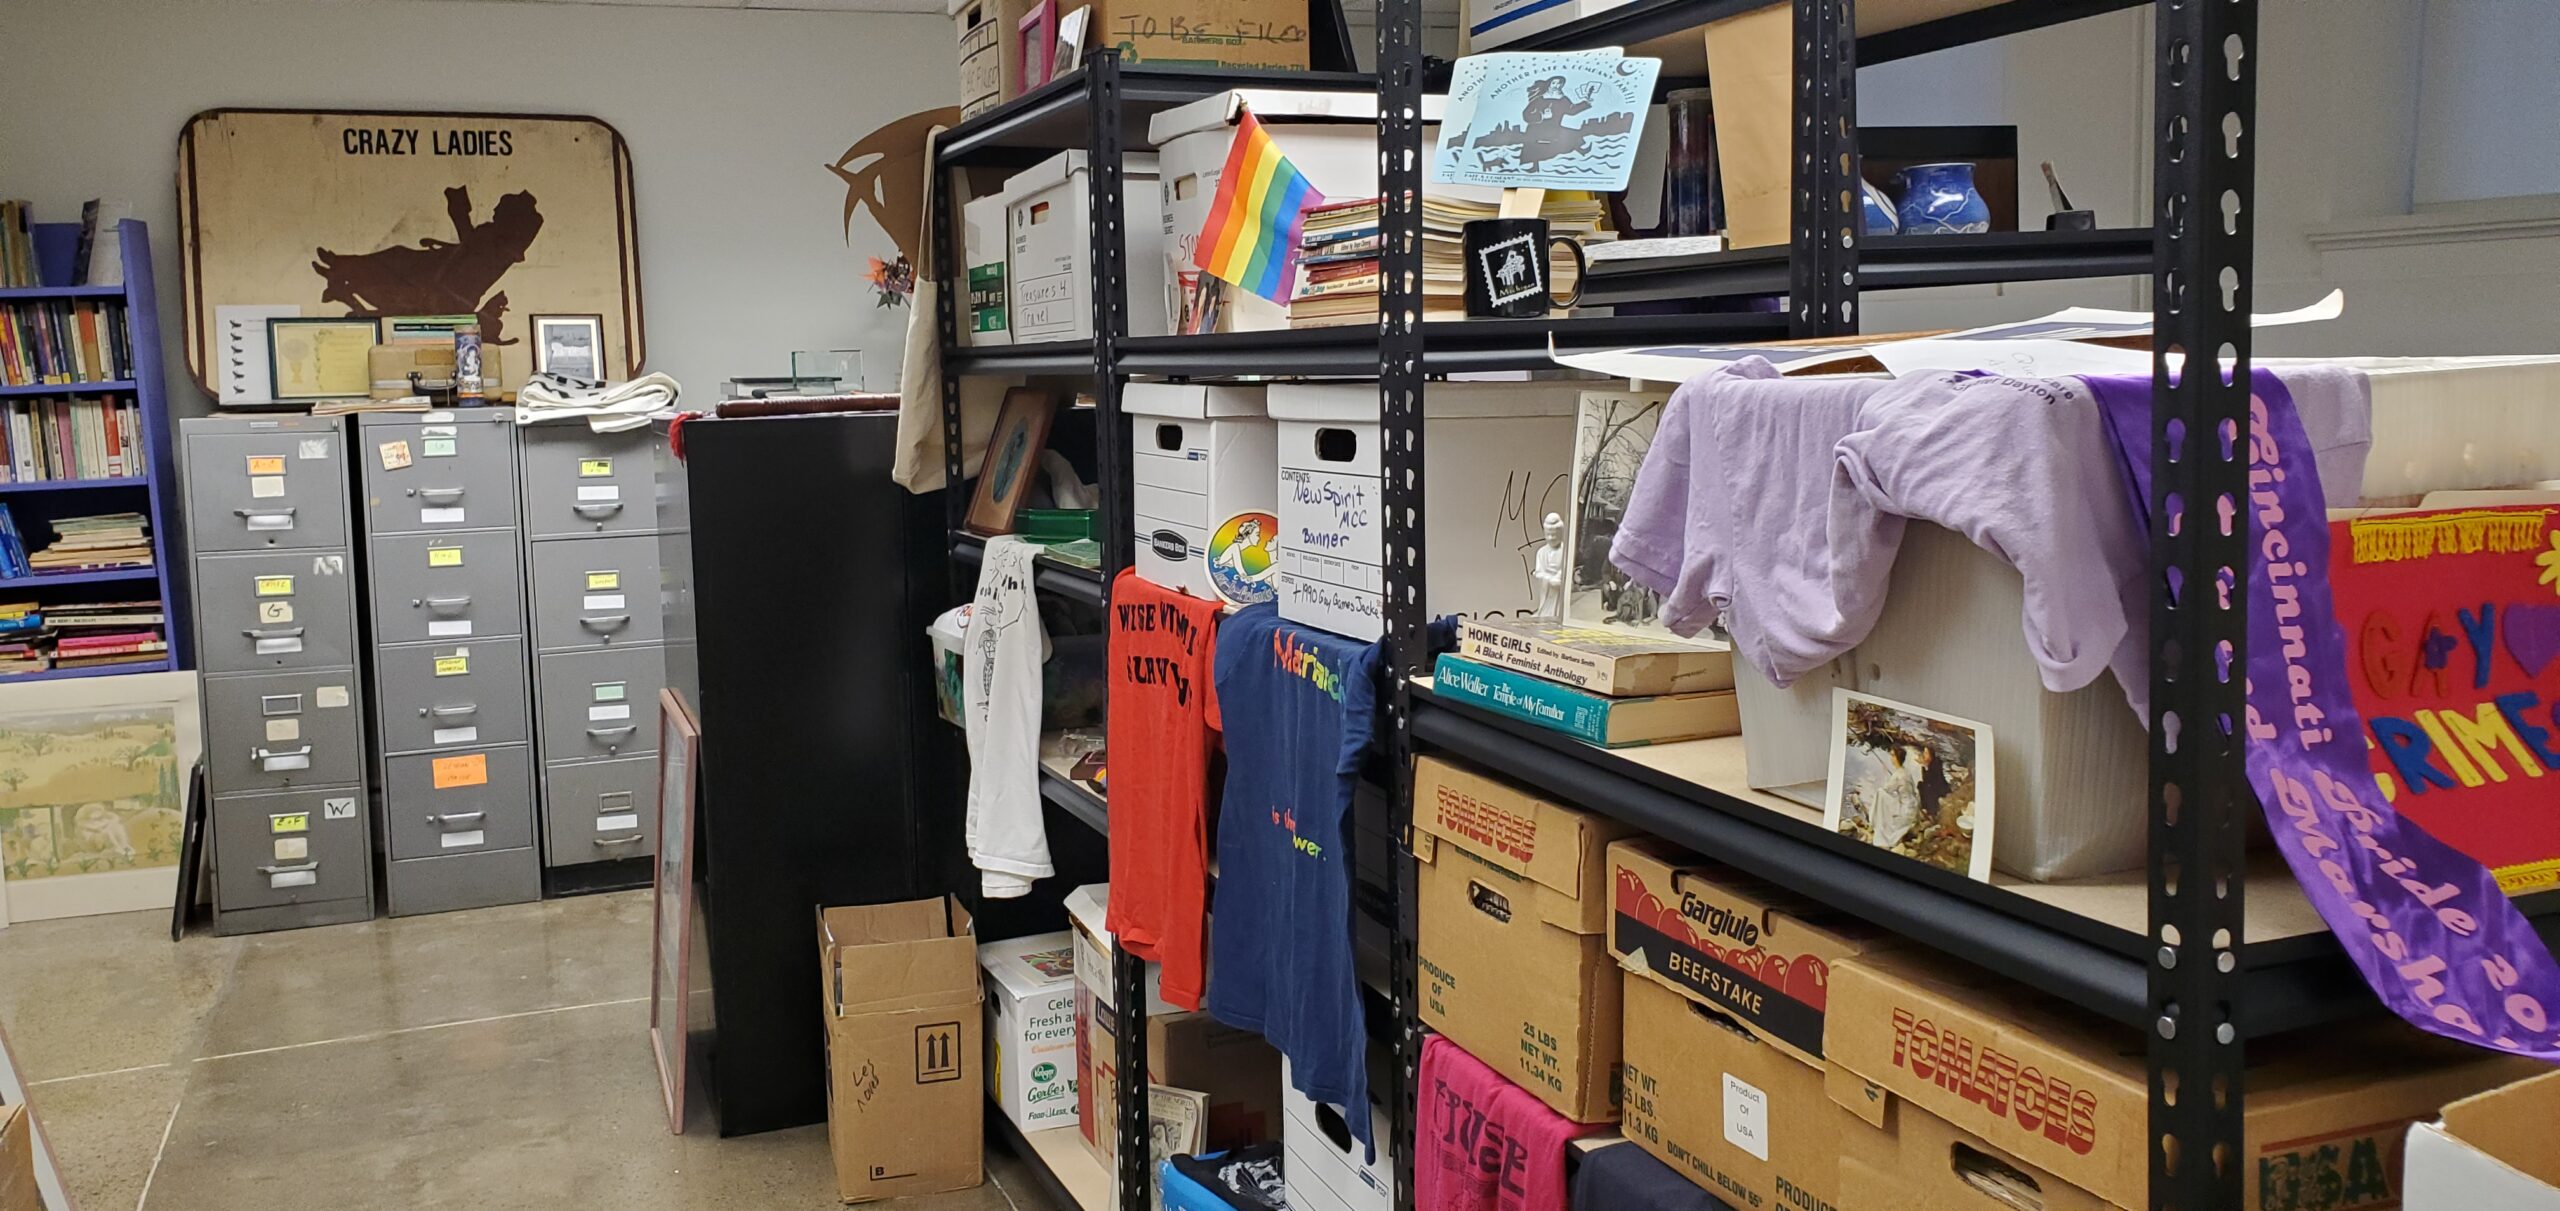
(1255, 218)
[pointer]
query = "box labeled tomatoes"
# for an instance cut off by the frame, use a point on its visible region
(1730, 942)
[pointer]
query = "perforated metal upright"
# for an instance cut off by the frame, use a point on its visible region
(281, 687)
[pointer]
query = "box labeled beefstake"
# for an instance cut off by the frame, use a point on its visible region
(1713, 1099)
(1729, 941)
(1512, 947)
(2067, 1092)
(905, 1109)
(1031, 1028)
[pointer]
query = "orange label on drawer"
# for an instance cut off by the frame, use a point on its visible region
(469, 769)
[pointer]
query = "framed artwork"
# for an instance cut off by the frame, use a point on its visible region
(409, 213)
(671, 941)
(1013, 460)
(1038, 39)
(1912, 781)
(315, 357)
(569, 345)
(93, 781)
(1612, 432)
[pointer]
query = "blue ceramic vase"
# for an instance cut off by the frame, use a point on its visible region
(1877, 213)
(1938, 199)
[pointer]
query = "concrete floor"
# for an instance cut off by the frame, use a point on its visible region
(488, 1060)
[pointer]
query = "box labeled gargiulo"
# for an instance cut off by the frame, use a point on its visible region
(1323, 1168)
(2490, 1152)
(1031, 1028)
(1203, 468)
(2067, 1092)
(1513, 944)
(1500, 453)
(1048, 249)
(1729, 941)
(1713, 1099)
(905, 1108)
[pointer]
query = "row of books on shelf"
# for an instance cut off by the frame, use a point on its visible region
(70, 437)
(81, 544)
(81, 635)
(50, 341)
(1340, 243)
(98, 260)
(1605, 685)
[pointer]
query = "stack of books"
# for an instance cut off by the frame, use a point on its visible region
(108, 632)
(1339, 246)
(22, 636)
(71, 438)
(105, 540)
(45, 341)
(1605, 686)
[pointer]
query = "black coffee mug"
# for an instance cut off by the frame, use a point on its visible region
(1507, 269)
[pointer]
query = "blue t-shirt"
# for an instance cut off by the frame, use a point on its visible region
(1298, 707)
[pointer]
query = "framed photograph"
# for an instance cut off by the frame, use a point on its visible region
(671, 900)
(316, 357)
(1912, 781)
(93, 783)
(569, 345)
(1071, 39)
(1612, 431)
(1013, 460)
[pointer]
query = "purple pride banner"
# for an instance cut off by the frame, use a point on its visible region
(2426, 924)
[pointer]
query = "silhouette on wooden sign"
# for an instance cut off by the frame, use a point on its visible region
(440, 277)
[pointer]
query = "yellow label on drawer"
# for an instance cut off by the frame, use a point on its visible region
(444, 557)
(452, 666)
(598, 582)
(266, 464)
(594, 468)
(275, 586)
(289, 822)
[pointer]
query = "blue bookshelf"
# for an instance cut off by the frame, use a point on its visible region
(153, 493)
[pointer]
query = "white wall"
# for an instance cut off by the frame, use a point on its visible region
(731, 116)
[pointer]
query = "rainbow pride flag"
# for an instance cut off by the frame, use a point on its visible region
(1254, 219)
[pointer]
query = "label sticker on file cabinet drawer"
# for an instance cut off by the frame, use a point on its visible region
(266, 464)
(440, 430)
(456, 665)
(292, 849)
(275, 586)
(312, 448)
(602, 493)
(338, 809)
(595, 468)
(435, 447)
(611, 691)
(605, 714)
(275, 611)
(455, 735)
(462, 840)
(603, 601)
(395, 455)
(603, 582)
(264, 486)
(621, 822)
(469, 769)
(289, 822)
(284, 729)
(444, 557)
(450, 516)
(329, 696)
(448, 628)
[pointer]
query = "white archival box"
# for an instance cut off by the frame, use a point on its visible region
(1332, 137)
(1048, 273)
(1493, 23)
(1200, 455)
(1500, 458)
(2490, 1152)
(982, 262)
(2071, 769)
(1322, 1167)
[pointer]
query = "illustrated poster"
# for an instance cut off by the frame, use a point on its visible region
(1565, 120)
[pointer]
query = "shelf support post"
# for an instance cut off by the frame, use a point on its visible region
(2200, 795)
(1825, 206)
(1107, 253)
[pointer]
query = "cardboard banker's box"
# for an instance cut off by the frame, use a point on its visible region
(1744, 1119)
(1726, 940)
(2494, 1152)
(2068, 1093)
(1031, 1028)
(905, 1108)
(1513, 949)
(18, 1161)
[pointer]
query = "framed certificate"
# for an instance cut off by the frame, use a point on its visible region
(322, 358)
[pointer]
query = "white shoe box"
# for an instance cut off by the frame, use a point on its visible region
(1325, 1169)
(1048, 270)
(1204, 469)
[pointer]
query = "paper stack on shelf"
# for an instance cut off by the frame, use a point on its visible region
(105, 540)
(1338, 256)
(1611, 688)
(110, 632)
(22, 632)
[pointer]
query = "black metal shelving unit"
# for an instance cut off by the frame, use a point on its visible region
(2197, 992)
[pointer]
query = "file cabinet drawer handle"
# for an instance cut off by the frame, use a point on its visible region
(447, 605)
(612, 735)
(597, 508)
(286, 633)
(299, 868)
(606, 622)
(452, 818)
(284, 514)
(290, 759)
(633, 839)
(454, 712)
(437, 495)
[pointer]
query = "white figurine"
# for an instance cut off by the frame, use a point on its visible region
(1549, 571)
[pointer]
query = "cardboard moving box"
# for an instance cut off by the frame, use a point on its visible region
(1235, 1068)
(18, 1161)
(2492, 1152)
(1513, 947)
(1031, 1028)
(2068, 1093)
(1746, 1120)
(899, 985)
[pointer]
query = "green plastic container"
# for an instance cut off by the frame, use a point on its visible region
(1047, 526)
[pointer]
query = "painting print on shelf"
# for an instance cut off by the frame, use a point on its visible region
(1565, 120)
(1911, 781)
(1612, 431)
(93, 777)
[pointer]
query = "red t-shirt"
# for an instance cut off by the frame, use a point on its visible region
(1158, 744)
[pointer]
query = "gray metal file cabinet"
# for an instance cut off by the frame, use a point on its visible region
(453, 731)
(283, 695)
(591, 524)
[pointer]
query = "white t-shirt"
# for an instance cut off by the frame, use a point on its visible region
(1000, 686)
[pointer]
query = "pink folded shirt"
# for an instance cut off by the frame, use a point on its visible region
(1483, 1143)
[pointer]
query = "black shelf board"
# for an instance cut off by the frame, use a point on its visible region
(1038, 357)
(1047, 575)
(1088, 808)
(1885, 262)
(2293, 984)
(1051, 118)
(1645, 20)
(1449, 346)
